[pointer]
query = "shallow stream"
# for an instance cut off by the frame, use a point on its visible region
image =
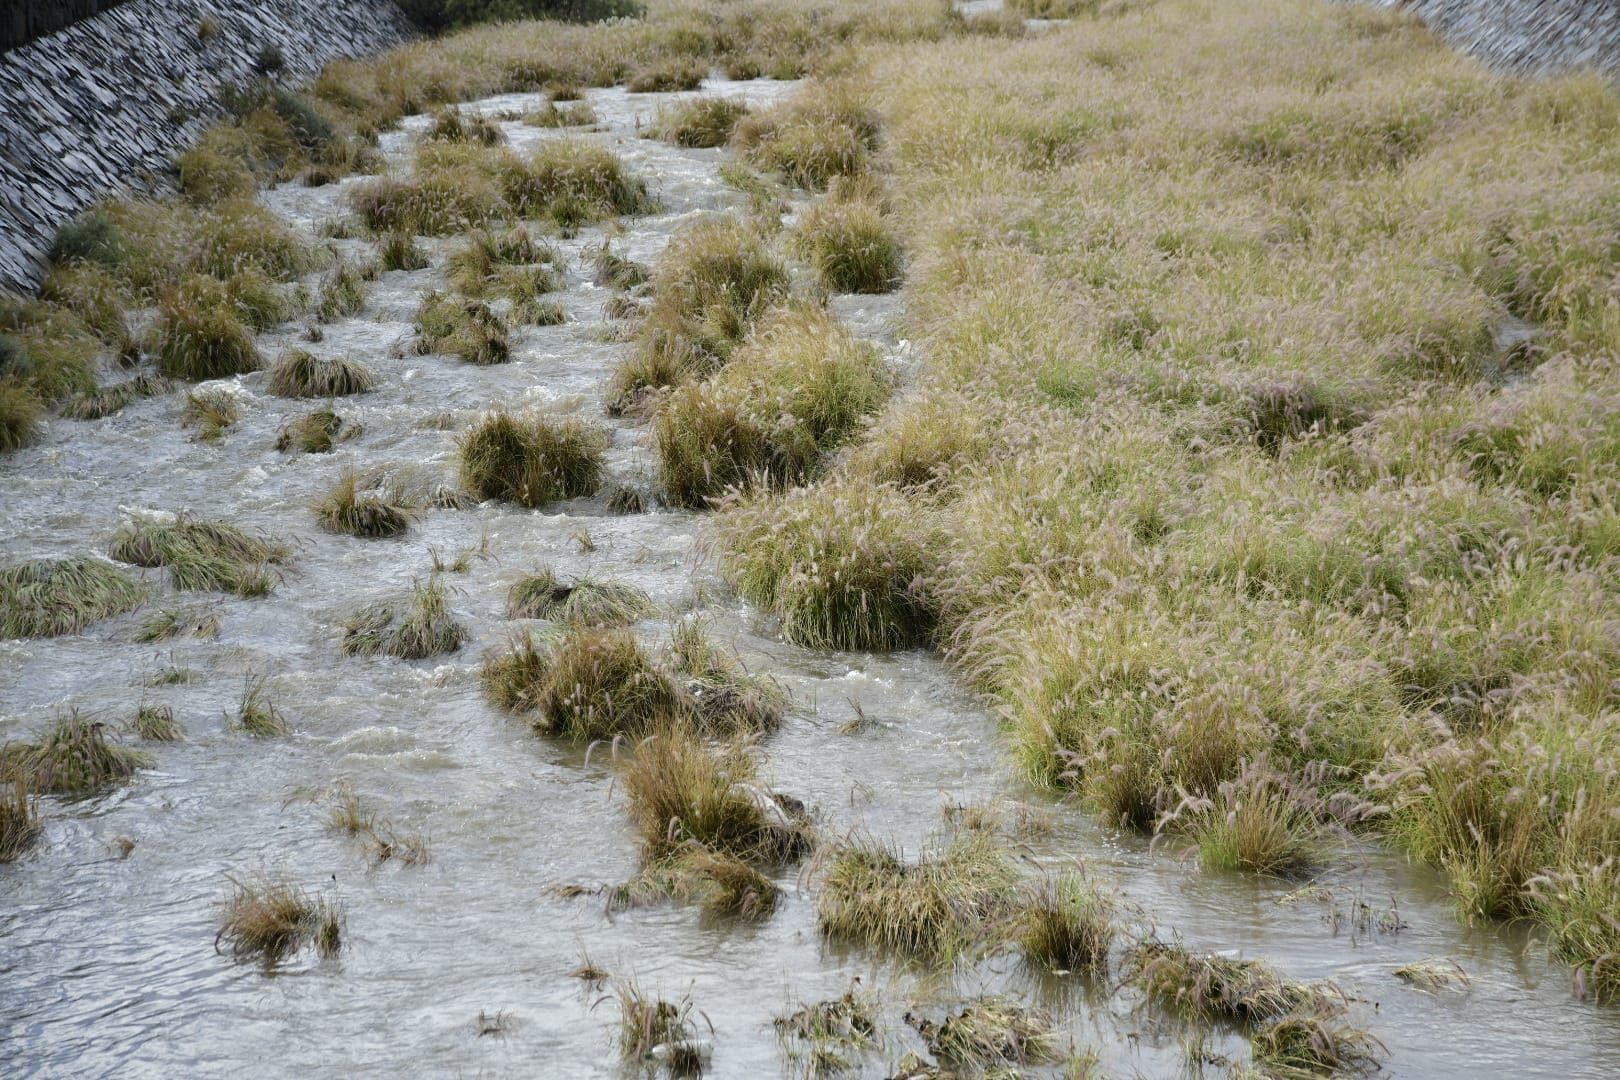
(107, 963)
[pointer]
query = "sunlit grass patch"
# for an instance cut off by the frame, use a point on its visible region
(299, 373)
(850, 245)
(683, 792)
(938, 908)
(201, 554)
(413, 629)
(316, 433)
(991, 1033)
(20, 821)
(267, 920)
(51, 597)
(531, 459)
(840, 564)
(586, 600)
(366, 505)
(73, 757)
(700, 122)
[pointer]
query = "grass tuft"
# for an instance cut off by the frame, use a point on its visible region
(728, 699)
(667, 75)
(201, 554)
(594, 684)
(317, 433)
(72, 758)
(20, 823)
(850, 246)
(52, 597)
(414, 630)
(1067, 925)
(256, 714)
(298, 373)
(111, 399)
(699, 123)
(201, 334)
(268, 920)
(365, 505)
(586, 601)
(212, 410)
(991, 1033)
(156, 723)
(531, 459)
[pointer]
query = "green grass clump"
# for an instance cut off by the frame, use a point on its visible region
(531, 459)
(51, 597)
(267, 920)
(21, 415)
(574, 182)
(256, 714)
(92, 237)
(99, 298)
(469, 329)
(365, 505)
(1259, 821)
(681, 793)
(1067, 925)
(111, 399)
(551, 115)
(1214, 987)
(797, 390)
(991, 1033)
(212, 410)
(480, 265)
(699, 123)
(20, 823)
(168, 623)
(316, 433)
(201, 554)
(1578, 909)
(814, 138)
(72, 758)
(595, 684)
(343, 291)
(434, 203)
(851, 247)
(586, 600)
(201, 335)
(663, 76)
(156, 723)
(728, 699)
(839, 564)
(455, 125)
(398, 250)
(244, 236)
(936, 909)
(299, 373)
(419, 628)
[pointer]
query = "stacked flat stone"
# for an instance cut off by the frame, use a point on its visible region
(112, 100)
(1528, 37)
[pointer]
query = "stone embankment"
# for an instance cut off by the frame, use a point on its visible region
(112, 99)
(1536, 37)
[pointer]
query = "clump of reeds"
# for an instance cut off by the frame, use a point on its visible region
(20, 823)
(74, 757)
(531, 459)
(850, 245)
(398, 250)
(212, 410)
(516, 680)
(469, 329)
(168, 623)
(365, 504)
(574, 182)
(1260, 820)
(1310, 1044)
(937, 908)
(1220, 987)
(299, 373)
(814, 138)
(418, 628)
(700, 122)
(833, 1032)
(512, 264)
(728, 699)
(684, 793)
(156, 723)
(21, 414)
(668, 74)
(200, 334)
(51, 597)
(256, 714)
(719, 883)
(316, 433)
(991, 1033)
(594, 684)
(839, 563)
(456, 125)
(111, 399)
(1067, 924)
(616, 271)
(201, 554)
(267, 920)
(550, 115)
(586, 600)
(650, 1026)
(343, 291)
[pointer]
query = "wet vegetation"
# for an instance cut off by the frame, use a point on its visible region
(267, 920)
(73, 757)
(299, 373)
(201, 554)
(20, 823)
(369, 505)
(586, 600)
(410, 629)
(50, 597)
(530, 458)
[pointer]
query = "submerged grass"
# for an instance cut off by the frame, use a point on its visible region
(595, 683)
(414, 629)
(74, 757)
(267, 920)
(298, 373)
(586, 600)
(201, 554)
(365, 505)
(51, 597)
(20, 822)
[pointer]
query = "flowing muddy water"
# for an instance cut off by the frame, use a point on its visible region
(107, 964)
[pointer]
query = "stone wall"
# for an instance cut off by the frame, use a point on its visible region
(21, 21)
(113, 99)
(1535, 37)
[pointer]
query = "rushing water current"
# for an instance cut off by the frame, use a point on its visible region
(107, 958)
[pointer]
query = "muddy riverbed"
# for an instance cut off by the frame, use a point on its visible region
(107, 960)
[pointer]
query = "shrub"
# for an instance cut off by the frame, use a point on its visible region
(587, 601)
(298, 373)
(72, 758)
(364, 505)
(936, 909)
(701, 122)
(850, 246)
(51, 597)
(531, 459)
(200, 334)
(840, 564)
(268, 920)
(420, 628)
(682, 793)
(201, 554)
